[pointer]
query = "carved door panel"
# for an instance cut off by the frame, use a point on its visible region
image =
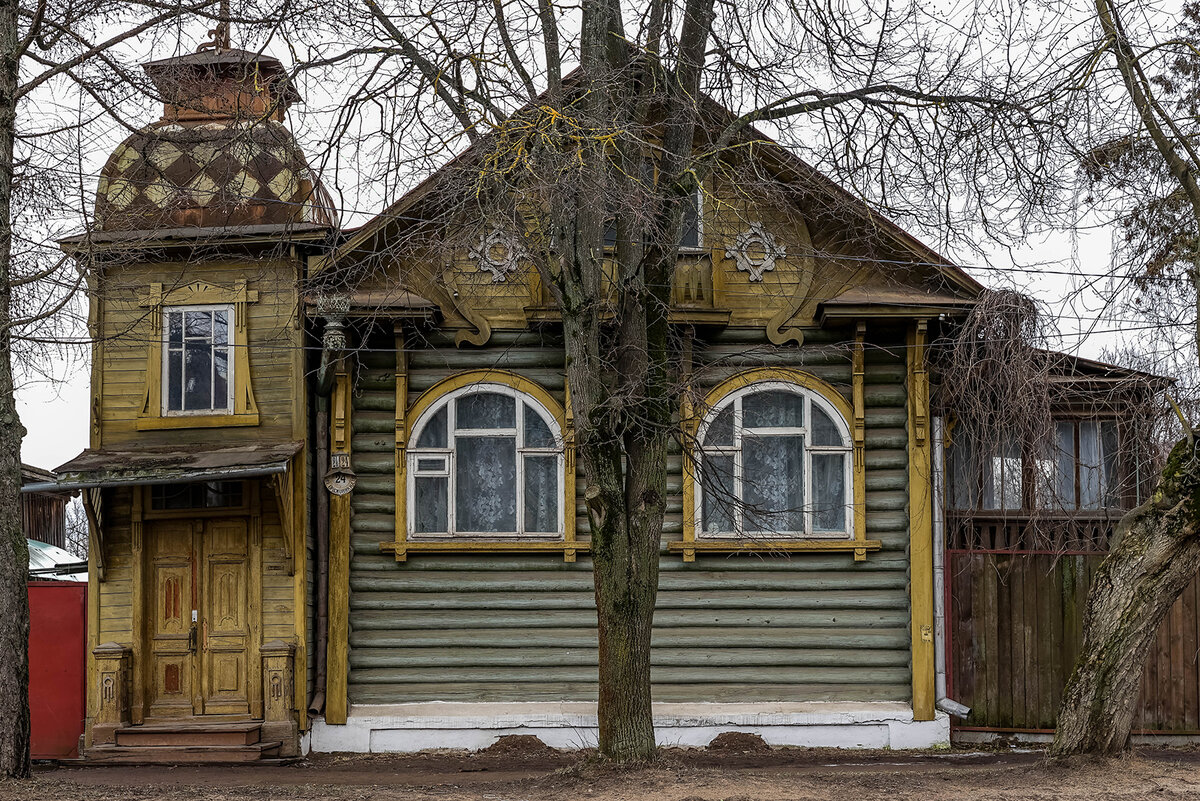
(172, 665)
(225, 615)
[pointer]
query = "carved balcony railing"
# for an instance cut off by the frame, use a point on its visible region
(1055, 532)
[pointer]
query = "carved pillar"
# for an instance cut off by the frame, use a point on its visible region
(113, 676)
(279, 720)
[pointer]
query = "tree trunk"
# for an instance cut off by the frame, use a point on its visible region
(14, 551)
(625, 556)
(1155, 556)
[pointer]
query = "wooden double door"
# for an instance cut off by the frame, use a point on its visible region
(198, 628)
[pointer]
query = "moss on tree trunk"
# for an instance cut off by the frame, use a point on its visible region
(1155, 555)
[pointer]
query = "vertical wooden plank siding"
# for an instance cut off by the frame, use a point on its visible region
(521, 627)
(920, 527)
(1016, 626)
(336, 703)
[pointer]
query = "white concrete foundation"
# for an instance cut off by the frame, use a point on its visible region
(418, 727)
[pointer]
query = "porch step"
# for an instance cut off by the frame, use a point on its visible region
(160, 735)
(181, 754)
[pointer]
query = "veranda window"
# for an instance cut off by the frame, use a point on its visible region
(1078, 470)
(486, 462)
(196, 360)
(775, 461)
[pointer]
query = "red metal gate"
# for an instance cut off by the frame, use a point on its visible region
(57, 667)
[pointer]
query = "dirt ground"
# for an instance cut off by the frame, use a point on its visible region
(739, 772)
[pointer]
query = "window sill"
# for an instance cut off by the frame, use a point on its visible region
(689, 548)
(196, 421)
(568, 548)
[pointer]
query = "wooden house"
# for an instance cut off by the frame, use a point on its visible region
(334, 470)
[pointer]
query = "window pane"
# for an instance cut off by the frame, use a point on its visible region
(829, 492)
(690, 233)
(174, 328)
(197, 390)
(1111, 452)
(773, 484)
(720, 430)
(537, 433)
(962, 471)
(485, 495)
(220, 378)
(824, 431)
(1064, 465)
(433, 435)
(219, 494)
(773, 408)
(1002, 478)
(174, 380)
(1090, 489)
(486, 410)
(431, 496)
(197, 324)
(220, 327)
(541, 494)
(431, 465)
(716, 477)
(610, 234)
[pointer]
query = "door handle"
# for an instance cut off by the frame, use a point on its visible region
(192, 636)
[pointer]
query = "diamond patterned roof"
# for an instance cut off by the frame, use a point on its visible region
(214, 173)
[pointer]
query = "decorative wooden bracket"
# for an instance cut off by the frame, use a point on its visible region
(91, 508)
(284, 499)
(919, 385)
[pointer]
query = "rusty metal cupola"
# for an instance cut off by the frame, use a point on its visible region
(221, 155)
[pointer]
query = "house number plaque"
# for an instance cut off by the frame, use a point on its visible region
(340, 479)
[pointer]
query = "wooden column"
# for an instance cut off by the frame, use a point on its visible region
(337, 660)
(920, 526)
(858, 391)
(400, 489)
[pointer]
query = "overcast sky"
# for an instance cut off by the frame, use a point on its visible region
(1061, 270)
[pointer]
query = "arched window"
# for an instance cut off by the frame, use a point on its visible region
(775, 461)
(485, 461)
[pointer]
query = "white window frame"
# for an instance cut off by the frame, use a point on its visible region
(735, 450)
(450, 455)
(166, 360)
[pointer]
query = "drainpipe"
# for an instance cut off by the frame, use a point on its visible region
(947, 705)
(333, 346)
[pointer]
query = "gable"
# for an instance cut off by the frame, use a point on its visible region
(811, 251)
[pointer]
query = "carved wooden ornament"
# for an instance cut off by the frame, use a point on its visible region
(756, 251)
(497, 252)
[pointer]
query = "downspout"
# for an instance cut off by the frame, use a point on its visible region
(940, 659)
(333, 346)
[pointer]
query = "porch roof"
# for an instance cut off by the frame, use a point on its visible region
(108, 468)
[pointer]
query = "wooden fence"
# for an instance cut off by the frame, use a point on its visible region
(1014, 627)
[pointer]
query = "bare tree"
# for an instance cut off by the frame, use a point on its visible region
(589, 129)
(1157, 549)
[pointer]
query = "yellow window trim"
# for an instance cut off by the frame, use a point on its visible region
(853, 414)
(568, 546)
(199, 293)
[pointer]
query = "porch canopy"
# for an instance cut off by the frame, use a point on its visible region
(113, 468)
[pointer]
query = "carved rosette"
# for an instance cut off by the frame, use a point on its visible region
(755, 251)
(497, 252)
